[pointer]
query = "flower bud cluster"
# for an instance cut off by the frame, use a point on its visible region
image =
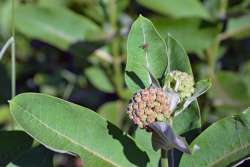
(182, 83)
(149, 105)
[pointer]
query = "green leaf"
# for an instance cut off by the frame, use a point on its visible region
(37, 156)
(223, 94)
(239, 27)
(61, 125)
(222, 144)
(188, 32)
(176, 8)
(145, 48)
(55, 25)
(189, 119)
(13, 144)
(99, 79)
(143, 138)
(112, 111)
(229, 80)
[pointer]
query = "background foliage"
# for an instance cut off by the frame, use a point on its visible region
(76, 50)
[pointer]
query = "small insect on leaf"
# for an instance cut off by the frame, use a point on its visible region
(144, 46)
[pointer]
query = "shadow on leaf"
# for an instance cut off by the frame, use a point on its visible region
(135, 79)
(132, 152)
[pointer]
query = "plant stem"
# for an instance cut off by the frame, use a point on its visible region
(171, 152)
(171, 157)
(223, 8)
(117, 67)
(13, 70)
(13, 58)
(164, 158)
(13, 53)
(118, 81)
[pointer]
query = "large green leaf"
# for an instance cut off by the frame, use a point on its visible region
(190, 118)
(176, 8)
(64, 126)
(222, 144)
(55, 25)
(146, 50)
(13, 144)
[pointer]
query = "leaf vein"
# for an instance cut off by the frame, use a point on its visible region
(64, 136)
(229, 154)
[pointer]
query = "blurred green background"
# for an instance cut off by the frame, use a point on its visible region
(76, 50)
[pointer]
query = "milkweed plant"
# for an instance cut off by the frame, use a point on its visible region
(163, 108)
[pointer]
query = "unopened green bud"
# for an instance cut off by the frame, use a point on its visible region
(180, 82)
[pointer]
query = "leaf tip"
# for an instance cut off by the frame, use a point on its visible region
(141, 16)
(10, 102)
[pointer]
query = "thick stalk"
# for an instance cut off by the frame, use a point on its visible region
(164, 158)
(171, 152)
(171, 157)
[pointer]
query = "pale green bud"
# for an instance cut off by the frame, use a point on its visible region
(180, 82)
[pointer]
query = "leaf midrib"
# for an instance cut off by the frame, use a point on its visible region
(145, 49)
(62, 135)
(229, 154)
